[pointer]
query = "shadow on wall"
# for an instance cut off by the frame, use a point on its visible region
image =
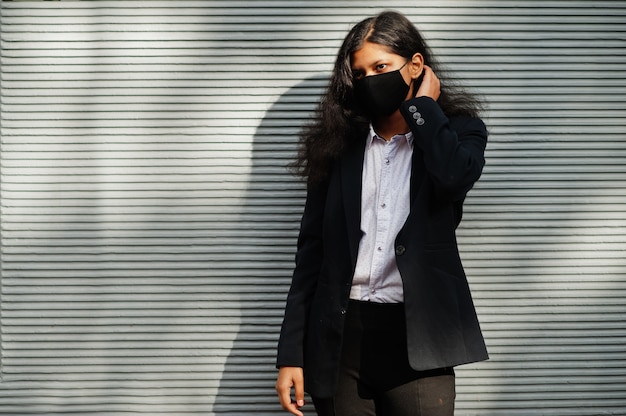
(272, 209)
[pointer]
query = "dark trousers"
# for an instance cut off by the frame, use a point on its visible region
(375, 376)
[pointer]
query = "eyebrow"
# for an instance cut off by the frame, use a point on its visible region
(373, 64)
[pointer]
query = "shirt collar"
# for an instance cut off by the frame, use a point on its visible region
(373, 135)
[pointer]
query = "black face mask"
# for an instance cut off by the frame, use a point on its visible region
(381, 95)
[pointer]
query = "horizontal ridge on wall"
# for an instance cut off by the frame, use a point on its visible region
(149, 220)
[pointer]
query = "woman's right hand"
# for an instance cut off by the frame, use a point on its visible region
(289, 377)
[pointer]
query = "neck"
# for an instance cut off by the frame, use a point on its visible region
(387, 127)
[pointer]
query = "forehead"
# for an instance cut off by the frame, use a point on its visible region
(371, 53)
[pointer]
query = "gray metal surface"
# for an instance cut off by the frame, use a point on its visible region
(148, 221)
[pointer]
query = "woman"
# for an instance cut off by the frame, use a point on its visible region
(379, 311)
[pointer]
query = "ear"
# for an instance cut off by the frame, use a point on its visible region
(417, 65)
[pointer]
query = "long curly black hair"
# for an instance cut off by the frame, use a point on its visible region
(339, 120)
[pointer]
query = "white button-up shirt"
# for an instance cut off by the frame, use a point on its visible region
(385, 205)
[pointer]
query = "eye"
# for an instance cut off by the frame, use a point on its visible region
(381, 67)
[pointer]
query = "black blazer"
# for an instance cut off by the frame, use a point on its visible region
(442, 328)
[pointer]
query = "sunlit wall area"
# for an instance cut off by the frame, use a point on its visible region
(148, 221)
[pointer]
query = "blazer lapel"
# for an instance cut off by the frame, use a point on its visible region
(351, 185)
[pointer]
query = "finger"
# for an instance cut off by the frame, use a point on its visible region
(293, 409)
(284, 396)
(430, 86)
(427, 71)
(298, 386)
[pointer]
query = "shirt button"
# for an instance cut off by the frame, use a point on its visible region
(379, 248)
(383, 205)
(400, 250)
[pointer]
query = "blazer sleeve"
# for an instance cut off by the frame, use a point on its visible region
(309, 256)
(454, 155)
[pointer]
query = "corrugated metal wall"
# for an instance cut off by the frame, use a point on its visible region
(148, 223)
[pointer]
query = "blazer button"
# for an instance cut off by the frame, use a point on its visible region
(400, 250)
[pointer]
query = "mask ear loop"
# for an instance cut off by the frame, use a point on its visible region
(415, 84)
